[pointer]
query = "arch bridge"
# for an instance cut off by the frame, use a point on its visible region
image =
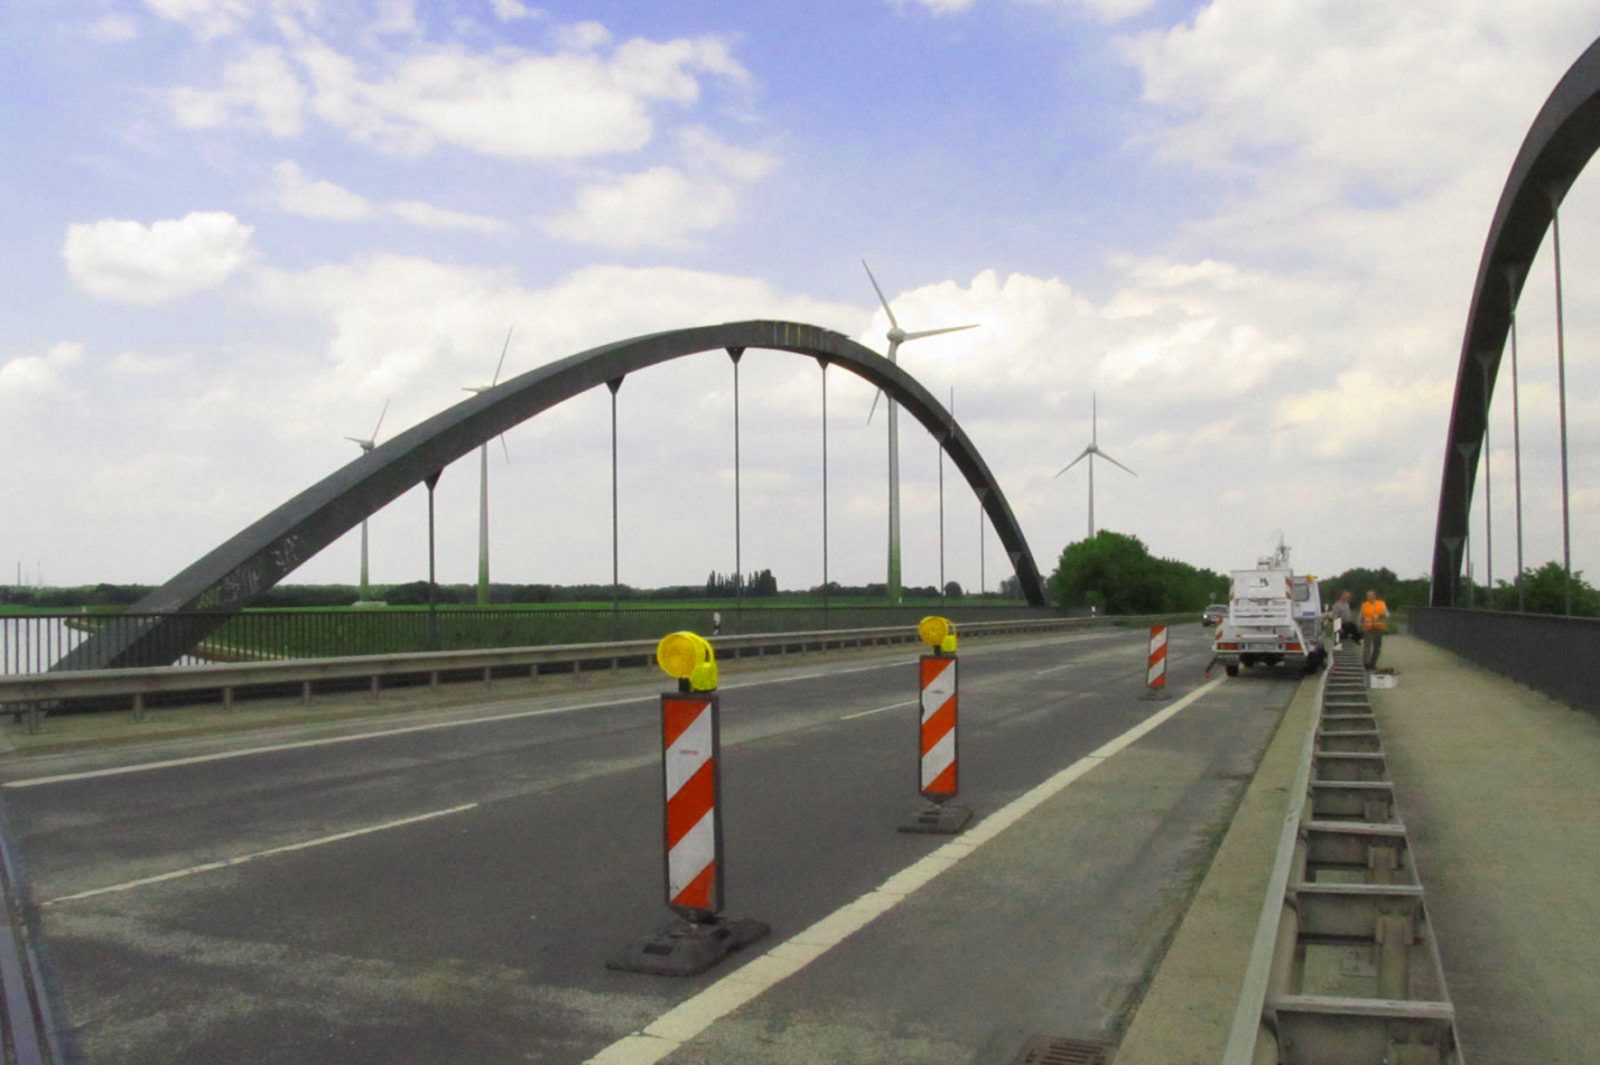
(202, 597)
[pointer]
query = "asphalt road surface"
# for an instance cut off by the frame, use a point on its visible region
(448, 888)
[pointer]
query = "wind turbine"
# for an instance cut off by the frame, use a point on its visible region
(897, 336)
(1089, 453)
(483, 481)
(367, 445)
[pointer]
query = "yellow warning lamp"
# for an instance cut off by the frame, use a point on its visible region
(686, 656)
(937, 633)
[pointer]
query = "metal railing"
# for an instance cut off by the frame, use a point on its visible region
(36, 693)
(1547, 652)
(1344, 967)
(34, 643)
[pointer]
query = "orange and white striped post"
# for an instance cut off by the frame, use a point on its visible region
(940, 766)
(691, 788)
(691, 752)
(1155, 676)
(938, 746)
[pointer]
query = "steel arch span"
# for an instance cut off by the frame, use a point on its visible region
(1563, 137)
(233, 574)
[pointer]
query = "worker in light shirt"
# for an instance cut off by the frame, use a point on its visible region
(1374, 623)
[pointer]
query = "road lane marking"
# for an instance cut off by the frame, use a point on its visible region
(241, 859)
(695, 1014)
(295, 745)
(879, 710)
(1054, 669)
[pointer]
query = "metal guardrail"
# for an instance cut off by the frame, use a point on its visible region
(1344, 969)
(1547, 652)
(34, 693)
(35, 643)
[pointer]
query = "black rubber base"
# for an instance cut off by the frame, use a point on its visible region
(946, 819)
(685, 948)
(1155, 694)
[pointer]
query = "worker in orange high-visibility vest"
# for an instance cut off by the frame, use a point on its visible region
(1374, 623)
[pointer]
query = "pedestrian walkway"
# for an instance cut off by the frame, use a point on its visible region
(1500, 789)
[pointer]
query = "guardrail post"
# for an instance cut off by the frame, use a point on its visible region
(375, 685)
(138, 706)
(227, 698)
(305, 693)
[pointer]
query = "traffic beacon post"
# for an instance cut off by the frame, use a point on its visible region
(1155, 671)
(691, 789)
(938, 765)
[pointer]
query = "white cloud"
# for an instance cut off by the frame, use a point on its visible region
(708, 151)
(511, 10)
(259, 90)
(134, 263)
(657, 208)
(426, 214)
(30, 377)
(113, 28)
(207, 18)
(299, 193)
(139, 365)
(396, 16)
(944, 7)
(569, 104)
(1105, 10)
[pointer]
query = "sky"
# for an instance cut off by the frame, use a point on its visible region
(235, 230)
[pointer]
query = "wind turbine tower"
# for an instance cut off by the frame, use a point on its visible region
(483, 481)
(897, 336)
(1090, 452)
(367, 445)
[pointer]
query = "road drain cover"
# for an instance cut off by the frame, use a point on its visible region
(1055, 1050)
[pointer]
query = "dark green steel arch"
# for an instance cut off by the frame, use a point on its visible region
(232, 575)
(1559, 144)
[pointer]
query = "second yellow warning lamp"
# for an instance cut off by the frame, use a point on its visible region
(689, 659)
(937, 633)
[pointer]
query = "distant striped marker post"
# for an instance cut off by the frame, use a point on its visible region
(691, 787)
(1155, 677)
(938, 747)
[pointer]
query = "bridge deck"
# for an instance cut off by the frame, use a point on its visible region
(1499, 787)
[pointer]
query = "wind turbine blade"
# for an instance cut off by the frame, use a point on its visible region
(1113, 461)
(381, 415)
(503, 447)
(355, 440)
(875, 397)
(936, 332)
(501, 364)
(1085, 453)
(879, 291)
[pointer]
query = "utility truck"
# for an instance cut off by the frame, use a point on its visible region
(1274, 617)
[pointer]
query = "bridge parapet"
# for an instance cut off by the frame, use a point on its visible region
(1550, 653)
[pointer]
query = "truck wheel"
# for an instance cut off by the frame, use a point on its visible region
(1233, 671)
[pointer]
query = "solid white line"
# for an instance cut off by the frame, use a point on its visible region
(879, 710)
(697, 1013)
(241, 859)
(1054, 669)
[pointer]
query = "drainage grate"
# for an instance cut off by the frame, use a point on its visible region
(1054, 1050)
